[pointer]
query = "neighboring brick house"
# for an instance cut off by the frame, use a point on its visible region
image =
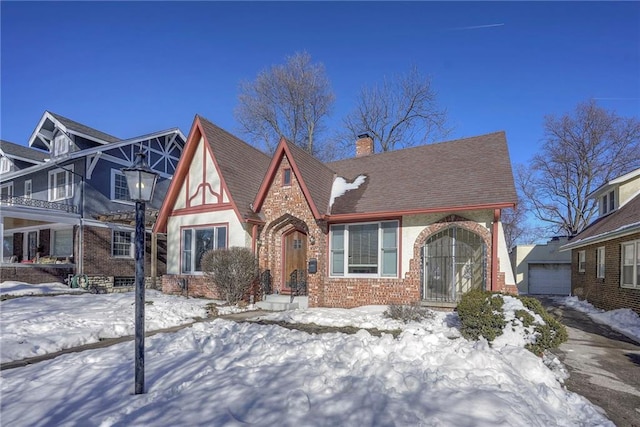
(417, 224)
(65, 204)
(605, 256)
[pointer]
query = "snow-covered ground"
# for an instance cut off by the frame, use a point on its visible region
(222, 373)
(624, 320)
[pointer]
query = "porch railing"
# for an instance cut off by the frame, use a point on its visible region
(298, 283)
(35, 203)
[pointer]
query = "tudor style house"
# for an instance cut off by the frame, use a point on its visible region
(605, 256)
(418, 224)
(65, 208)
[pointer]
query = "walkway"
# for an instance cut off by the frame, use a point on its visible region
(242, 316)
(604, 365)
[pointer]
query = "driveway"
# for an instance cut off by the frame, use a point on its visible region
(604, 365)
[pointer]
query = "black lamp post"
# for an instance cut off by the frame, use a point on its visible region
(141, 181)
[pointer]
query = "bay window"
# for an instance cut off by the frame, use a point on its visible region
(196, 241)
(369, 249)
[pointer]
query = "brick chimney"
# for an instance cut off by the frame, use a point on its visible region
(364, 145)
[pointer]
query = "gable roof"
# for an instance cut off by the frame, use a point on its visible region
(49, 121)
(241, 168)
(230, 152)
(623, 221)
(314, 177)
(465, 173)
(81, 129)
(20, 152)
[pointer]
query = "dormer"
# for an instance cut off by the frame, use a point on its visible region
(616, 193)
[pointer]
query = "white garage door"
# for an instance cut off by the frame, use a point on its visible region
(550, 279)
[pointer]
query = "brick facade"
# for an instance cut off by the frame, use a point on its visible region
(285, 208)
(604, 293)
(100, 267)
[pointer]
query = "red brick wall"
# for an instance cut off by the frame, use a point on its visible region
(196, 286)
(285, 208)
(606, 293)
(98, 260)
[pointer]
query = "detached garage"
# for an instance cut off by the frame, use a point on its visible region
(550, 279)
(542, 269)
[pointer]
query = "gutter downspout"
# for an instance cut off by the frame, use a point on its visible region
(494, 250)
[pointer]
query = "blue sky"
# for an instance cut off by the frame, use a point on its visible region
(129, 68)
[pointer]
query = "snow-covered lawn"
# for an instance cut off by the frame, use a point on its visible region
(222, 373)
(34, 326)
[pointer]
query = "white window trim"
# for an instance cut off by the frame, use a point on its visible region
(8, 185)
(600, 262)
(114, 173)
(60, 144)
(28, 194)
(192, 267)
(68, 186)
(5, 165)
(582, 261)
(131, 244)
(636, 265)
(345, 251)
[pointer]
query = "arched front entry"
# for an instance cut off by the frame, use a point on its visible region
(294, 253)
(453, 263)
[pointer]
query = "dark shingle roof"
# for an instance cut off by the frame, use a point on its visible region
(85, 130)
(465, 172)
(243, 167)
(316, 175)
(14, 150)
(627, 215)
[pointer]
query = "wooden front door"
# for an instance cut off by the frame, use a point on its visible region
(295, 256)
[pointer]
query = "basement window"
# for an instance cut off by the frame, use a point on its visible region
(121, 282)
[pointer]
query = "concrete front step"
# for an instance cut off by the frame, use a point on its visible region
(282, 303)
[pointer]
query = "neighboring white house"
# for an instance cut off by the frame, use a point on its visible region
(542, 269)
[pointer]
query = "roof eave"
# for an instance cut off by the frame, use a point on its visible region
(390, 214)
(634, 228)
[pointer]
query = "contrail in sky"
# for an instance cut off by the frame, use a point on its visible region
(477, 27)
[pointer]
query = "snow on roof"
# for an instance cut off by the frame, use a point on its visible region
(341, 186)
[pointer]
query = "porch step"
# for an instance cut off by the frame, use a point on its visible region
(282, 303)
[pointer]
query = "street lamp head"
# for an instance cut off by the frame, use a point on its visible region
(141, 180)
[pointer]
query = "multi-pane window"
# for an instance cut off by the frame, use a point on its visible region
(6, 193)
(62, 243)
(582, 261)
(631, 264)
(608, 202)
(60, 185)
(121, 243)
(60, 145)
(600, 262)
(28, 189)
(197, 241)
(365, 249)
(119, 187)
(5, 165)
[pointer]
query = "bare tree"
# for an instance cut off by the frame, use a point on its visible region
(401, 111)
(289, 100)
(513, 224)
(580, 152)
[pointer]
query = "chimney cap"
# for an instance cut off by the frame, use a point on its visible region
(364, 135)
